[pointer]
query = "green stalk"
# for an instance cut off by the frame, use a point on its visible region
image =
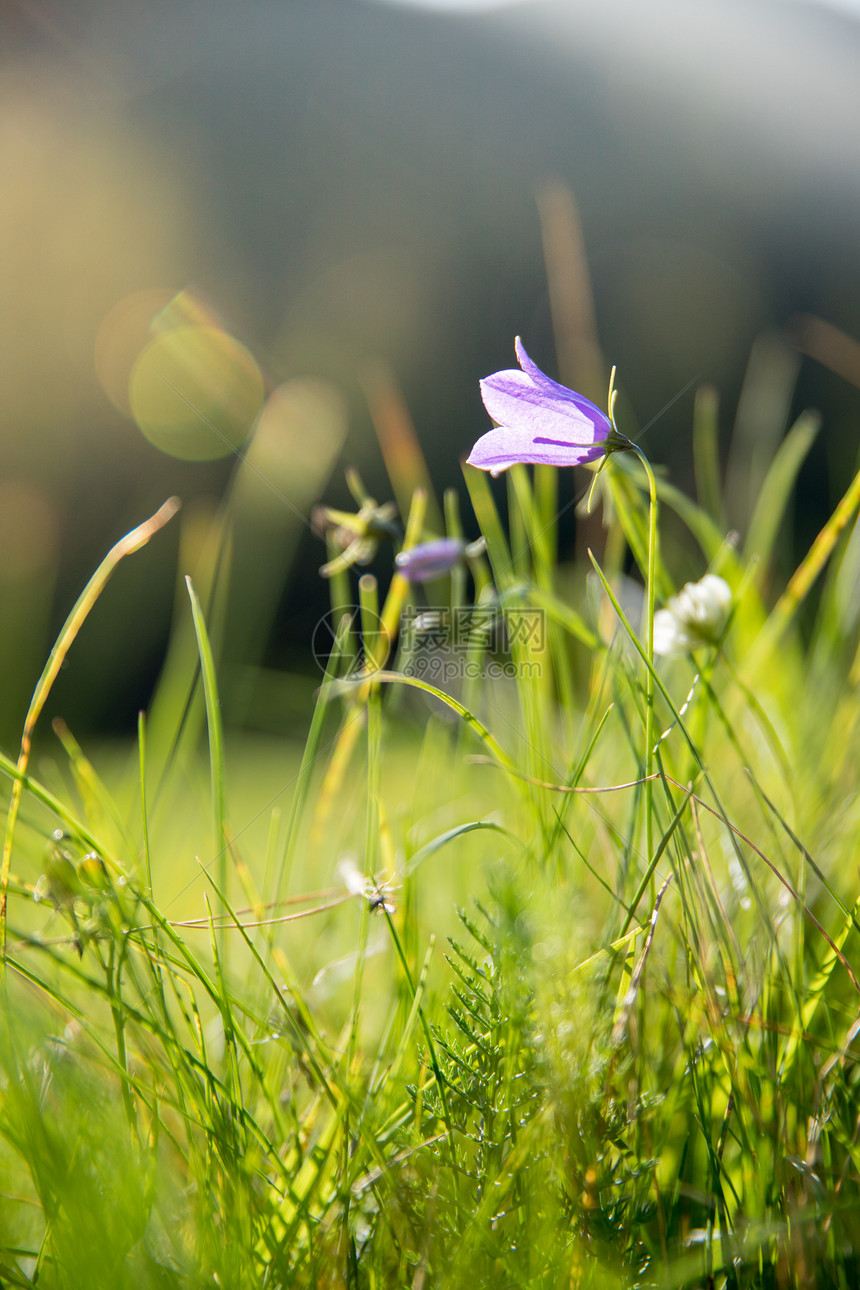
(147, 858)
(112, 977)
(216, 737)
(650, 600)
(369, 600)
(431, 1047)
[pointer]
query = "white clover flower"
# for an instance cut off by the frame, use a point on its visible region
(695, 617)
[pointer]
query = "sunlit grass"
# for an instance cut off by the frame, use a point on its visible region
(592, 1019)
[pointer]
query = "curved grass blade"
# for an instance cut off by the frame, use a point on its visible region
(777, 487)
(430, 848)
(804, 576)
(706, 454)
(133, 541)
(216, 731)
(400, 678)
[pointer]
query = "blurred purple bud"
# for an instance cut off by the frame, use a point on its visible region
(430, 560)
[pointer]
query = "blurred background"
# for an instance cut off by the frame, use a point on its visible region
(312, 220)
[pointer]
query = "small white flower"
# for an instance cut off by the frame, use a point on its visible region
(353, 879)
(359, 884)
(695, 617)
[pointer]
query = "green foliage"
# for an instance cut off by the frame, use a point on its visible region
(230, 1051)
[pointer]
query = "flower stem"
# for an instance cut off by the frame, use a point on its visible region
(650, 599)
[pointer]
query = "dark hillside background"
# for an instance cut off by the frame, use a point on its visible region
(344, 185)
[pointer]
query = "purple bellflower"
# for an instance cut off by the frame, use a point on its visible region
(539, 421)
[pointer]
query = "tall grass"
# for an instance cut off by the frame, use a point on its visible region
(544, 973)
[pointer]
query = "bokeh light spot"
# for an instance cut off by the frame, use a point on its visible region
(123, 333)
(195, 392)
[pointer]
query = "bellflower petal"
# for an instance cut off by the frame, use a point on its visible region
(539, 421)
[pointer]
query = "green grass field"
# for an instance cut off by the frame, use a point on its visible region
(534, 965)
